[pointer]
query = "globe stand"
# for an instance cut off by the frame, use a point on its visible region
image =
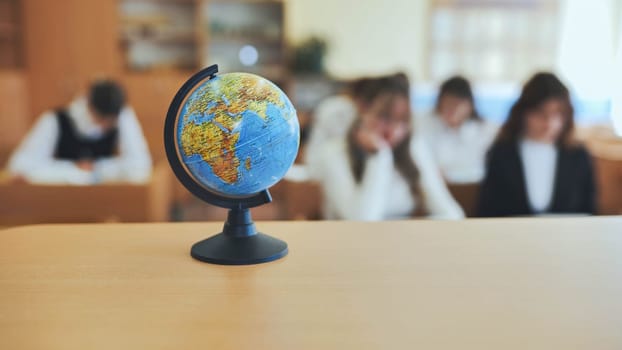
(239, 243)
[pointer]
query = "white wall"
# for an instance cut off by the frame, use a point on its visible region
(378, 36)
(366, 36)
(587, 46)
(616, 107)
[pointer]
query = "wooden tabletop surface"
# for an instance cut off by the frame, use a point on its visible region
(476, 284)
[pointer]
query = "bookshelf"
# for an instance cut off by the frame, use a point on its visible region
(158, 34)
(245, 36)
(190, 34)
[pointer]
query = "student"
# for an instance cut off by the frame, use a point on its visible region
(380, 171)
(535, 166)
(95, 139)
(334, 116)
(456, 134)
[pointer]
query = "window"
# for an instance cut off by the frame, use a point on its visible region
(492, 40)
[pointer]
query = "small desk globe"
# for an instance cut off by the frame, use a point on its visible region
(228, 138)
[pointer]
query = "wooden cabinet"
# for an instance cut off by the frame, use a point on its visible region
(14, 115)
(150, 94)
(10, 34)
(67, 44)
(14, 111)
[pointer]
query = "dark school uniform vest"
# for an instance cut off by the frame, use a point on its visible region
(72, 146)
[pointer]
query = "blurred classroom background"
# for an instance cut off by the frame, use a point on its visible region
(50, 51)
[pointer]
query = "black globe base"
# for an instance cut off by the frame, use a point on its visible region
(239, 243)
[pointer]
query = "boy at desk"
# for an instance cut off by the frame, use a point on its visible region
(97, 138)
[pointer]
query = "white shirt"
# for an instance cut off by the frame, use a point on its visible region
(539, 165)
(461, 152)
(331, 121)
(382, 193)
(34, 157)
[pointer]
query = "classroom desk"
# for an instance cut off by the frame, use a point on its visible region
(479, 284)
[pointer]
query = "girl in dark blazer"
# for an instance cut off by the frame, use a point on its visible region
(535, 166)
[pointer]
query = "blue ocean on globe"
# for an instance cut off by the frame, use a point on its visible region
(237, 134)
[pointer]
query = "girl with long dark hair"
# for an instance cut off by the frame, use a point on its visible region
(334, 116)
(535, 165)
(458, 137)
(381, 171)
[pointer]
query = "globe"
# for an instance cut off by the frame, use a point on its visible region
(236, 134)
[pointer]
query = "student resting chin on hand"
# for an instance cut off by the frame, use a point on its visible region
(381, 171)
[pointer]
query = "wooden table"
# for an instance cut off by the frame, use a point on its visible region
(23, 203)
(478, 284)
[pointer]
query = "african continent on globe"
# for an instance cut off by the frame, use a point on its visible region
(237, 134)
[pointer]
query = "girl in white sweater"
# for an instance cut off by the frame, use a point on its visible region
(457, 136)
(382, 171)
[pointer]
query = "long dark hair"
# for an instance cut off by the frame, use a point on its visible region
(460, 87)
(539, 89)
(391, 87)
